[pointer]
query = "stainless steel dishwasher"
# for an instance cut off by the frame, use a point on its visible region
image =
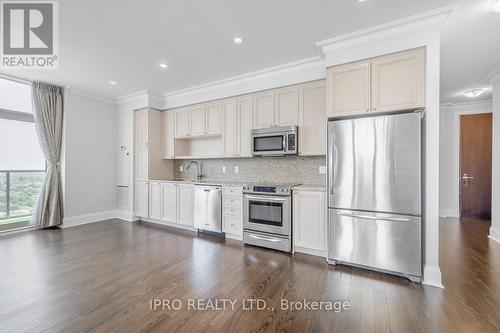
(208, 207)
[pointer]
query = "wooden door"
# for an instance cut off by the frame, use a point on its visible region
(312, 118)
(230, 117)
(264, 110)
(245, 114)
(182, 123)
(169, 202)
(198, 120)
(475, 165)
(286, 106)
(398, 81)
(214, 119)
(349, 89)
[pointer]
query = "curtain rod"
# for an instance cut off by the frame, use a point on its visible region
(15, 78)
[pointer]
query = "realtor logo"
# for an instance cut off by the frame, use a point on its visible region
(29, 33)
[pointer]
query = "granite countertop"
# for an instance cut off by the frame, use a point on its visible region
(310, 187)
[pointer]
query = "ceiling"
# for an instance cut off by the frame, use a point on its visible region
(125, 41)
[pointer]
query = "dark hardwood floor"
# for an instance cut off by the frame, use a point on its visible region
(101, 277)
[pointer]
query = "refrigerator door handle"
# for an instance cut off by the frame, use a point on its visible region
(367, 217)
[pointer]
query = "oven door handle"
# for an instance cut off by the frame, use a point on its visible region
(268, 239)
(263, 198)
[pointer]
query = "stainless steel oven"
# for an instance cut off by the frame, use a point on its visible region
(274, 141)
(267, 219)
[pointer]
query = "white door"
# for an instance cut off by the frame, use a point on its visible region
(167, 134)
(185, 204)
(214, 118)
(141, 199)
(182, 123)
(169, 202)
(155, 200)
(312, 118)
(264, 110)
(141, 163)
(198, 120)
(230, 118)
(349, 89)
(286, 106)
(245, 122)
(309, 220)
(398, 81)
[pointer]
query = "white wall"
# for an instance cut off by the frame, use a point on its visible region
(495, 198)
(449, 157)
(89, 157)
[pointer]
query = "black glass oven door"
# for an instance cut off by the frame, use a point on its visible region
(268, 213)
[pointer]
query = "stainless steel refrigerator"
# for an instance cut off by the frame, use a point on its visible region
(374, 193)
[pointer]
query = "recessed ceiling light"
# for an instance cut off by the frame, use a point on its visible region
(496, 6)
(163, 65)
(113, 83)
(237, 40)
(474, 92)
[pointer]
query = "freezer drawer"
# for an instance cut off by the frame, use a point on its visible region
(379, 241)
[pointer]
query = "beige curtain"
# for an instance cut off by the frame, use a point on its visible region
(48, 111)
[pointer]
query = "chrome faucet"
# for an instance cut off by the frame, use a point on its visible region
(198, 169)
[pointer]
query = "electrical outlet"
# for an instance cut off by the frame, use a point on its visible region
(236, 169)
(223, 169)
(181, 168)
(322, 170)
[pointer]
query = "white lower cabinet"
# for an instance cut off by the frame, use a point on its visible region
(142, 199)
(309, 222)
(232, 211)
(169, 202)
(155, 200)
(185, 204)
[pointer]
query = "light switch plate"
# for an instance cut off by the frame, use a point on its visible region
(322, 170)
(223, 169)
(236, 169)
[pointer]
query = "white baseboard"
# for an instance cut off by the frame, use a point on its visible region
(432, 276)
(87, 218)
(235, 237)
(170, 224)
(126, 215)
(494, 235)
(449, 213)
(313, 252)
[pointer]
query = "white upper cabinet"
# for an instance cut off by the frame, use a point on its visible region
(312, 118)
(264, 110)
(168, 135)
(198, 120)
(182, 123)
(141, 128)
(398, 81)
(349, 89)
(231, 124)
(286, 108)
(245, 114)
(213, 118)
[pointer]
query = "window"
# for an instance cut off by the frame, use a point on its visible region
(22, 165)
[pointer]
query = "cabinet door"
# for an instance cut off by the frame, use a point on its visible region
(182, 123)
(185, 204)
(141, 128)
(230, 117)
(398, 81)
(312, 118)
(286, 106)
(167, 134)
(198, 120)
(213, 118)
(309, 220)
(264, 110)
(142, 163)
(169, 202)
(245, 122)
(348, 89)
(155, 200)
(141, 199)
(232, 224)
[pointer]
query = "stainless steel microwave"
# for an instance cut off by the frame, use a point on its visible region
(274, 141)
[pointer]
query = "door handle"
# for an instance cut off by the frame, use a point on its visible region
(368, 217)
(465, 179)
(263, 198)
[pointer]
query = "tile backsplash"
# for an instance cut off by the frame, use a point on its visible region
(286, 169)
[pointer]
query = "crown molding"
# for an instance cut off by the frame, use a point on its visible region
(484, 104)
(494, 76)
(90, 96)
